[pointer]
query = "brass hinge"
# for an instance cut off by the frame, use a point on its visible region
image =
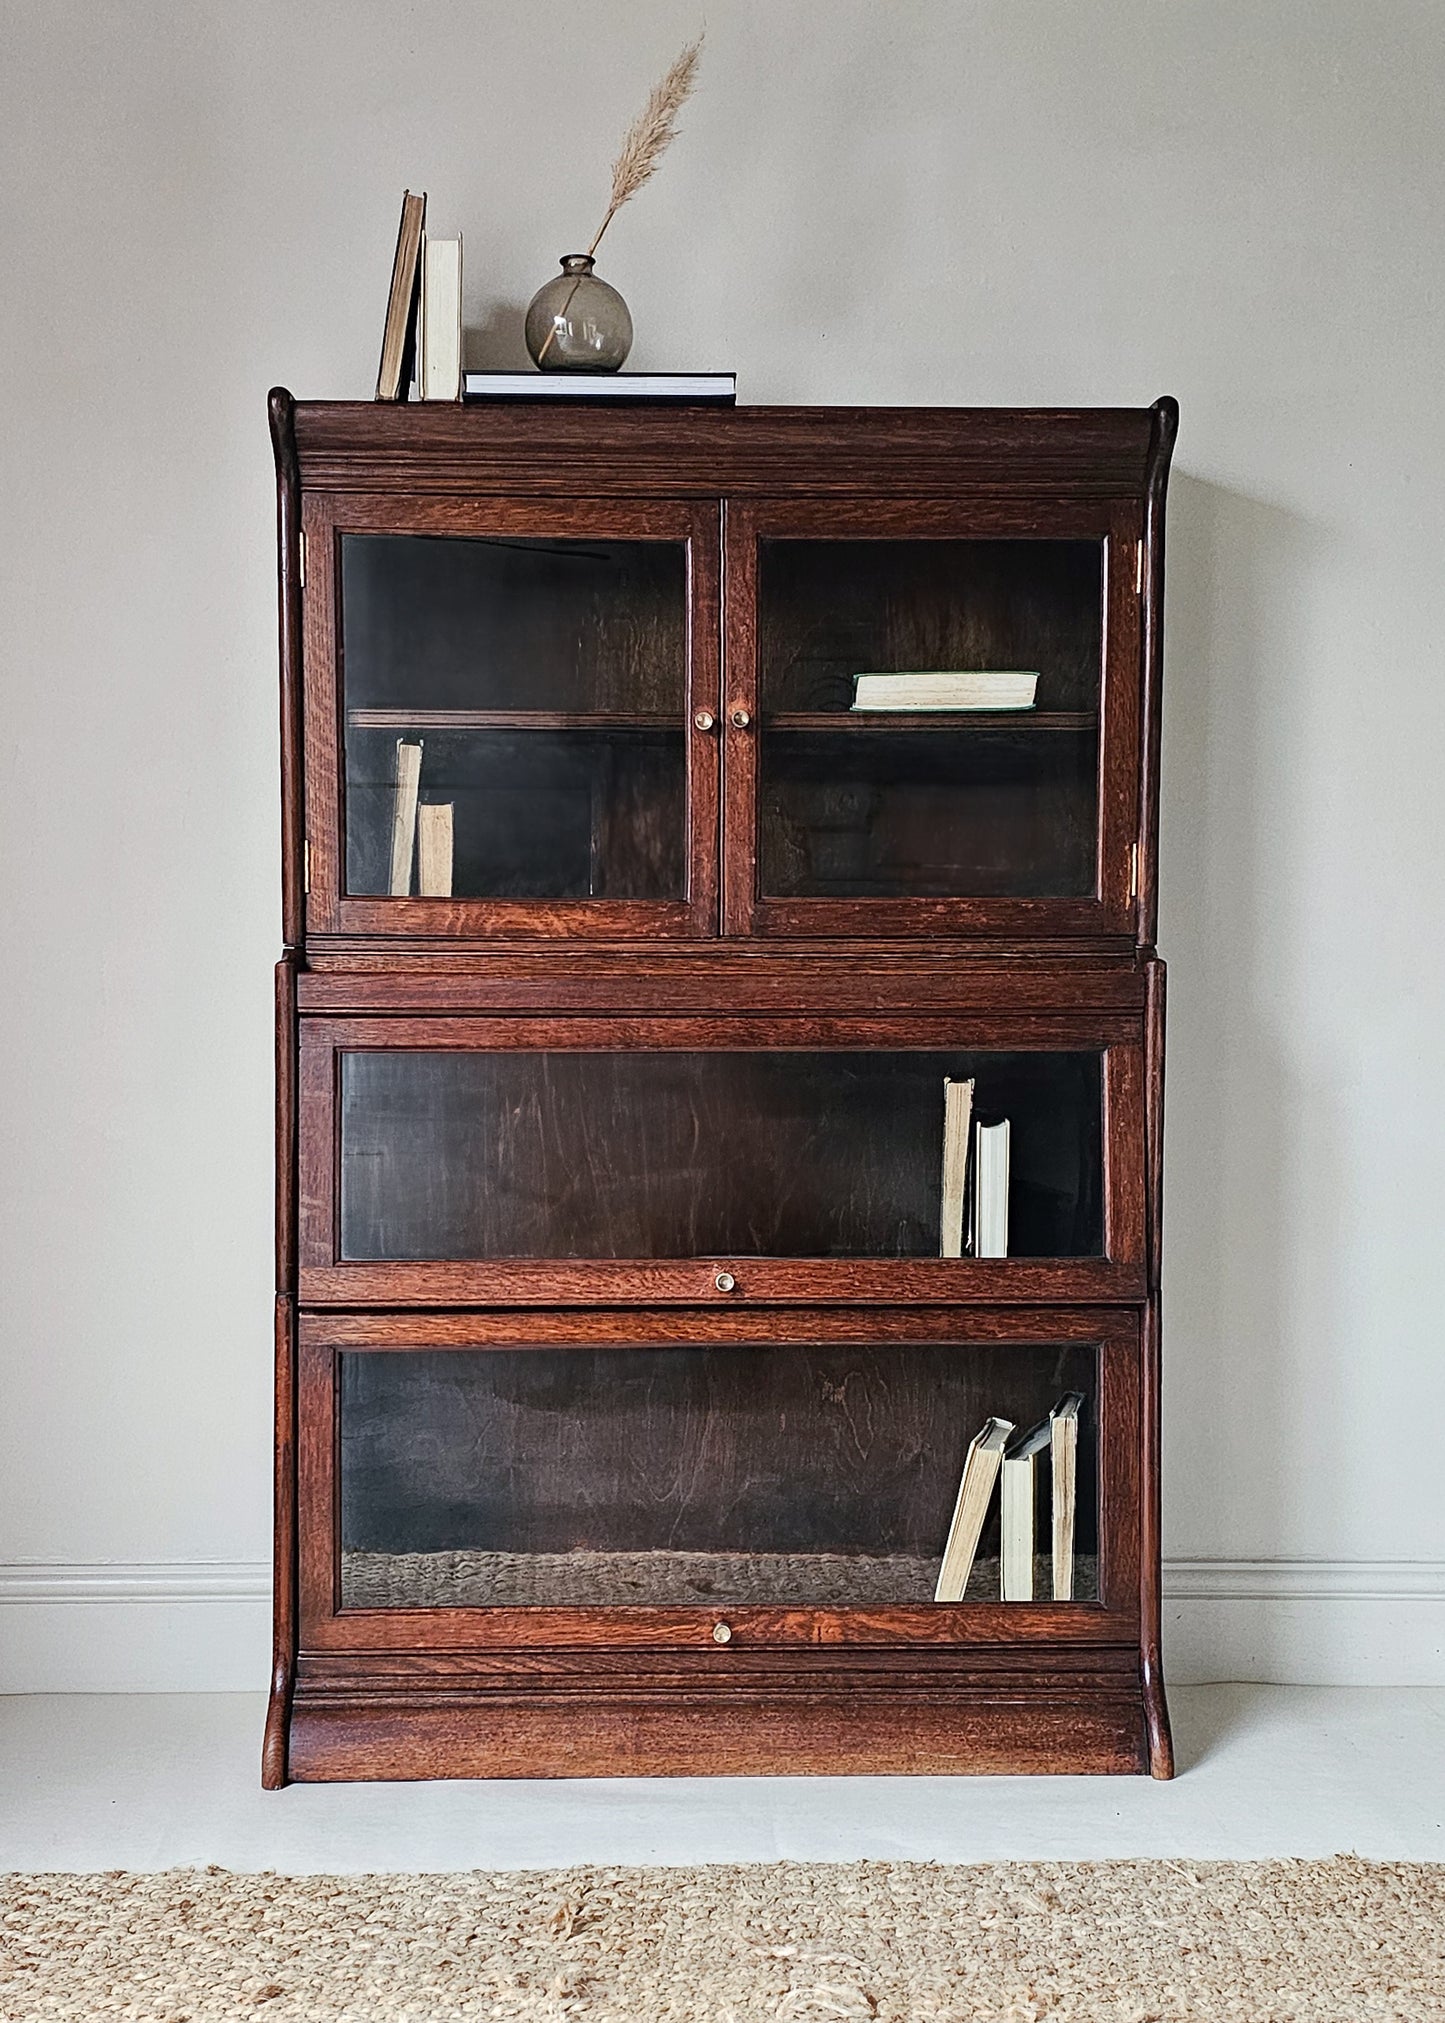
(1138, 568)
(301, 559)
(305, 867)
(1133, 871)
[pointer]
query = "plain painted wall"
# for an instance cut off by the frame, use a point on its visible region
(1016, 201)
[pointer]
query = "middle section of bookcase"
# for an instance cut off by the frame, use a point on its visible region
(721, 1160)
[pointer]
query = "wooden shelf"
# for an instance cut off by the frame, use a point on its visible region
(932, 720)
(512, 720)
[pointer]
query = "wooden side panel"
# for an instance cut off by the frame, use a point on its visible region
(284, 1605)
(282, 412)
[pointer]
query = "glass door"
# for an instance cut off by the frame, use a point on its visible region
(511, 713)
(581, 1160)
(721, 1479)
(931, 719)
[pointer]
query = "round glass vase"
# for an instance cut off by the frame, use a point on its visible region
(578, 322)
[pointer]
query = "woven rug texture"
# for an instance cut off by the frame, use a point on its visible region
(1341, 1941)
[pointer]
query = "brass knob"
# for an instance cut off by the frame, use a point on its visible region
(741, 719)
(722, 1633)
(724, 1281)
(704, 719)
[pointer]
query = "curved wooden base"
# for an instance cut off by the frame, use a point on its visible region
(359, 1733)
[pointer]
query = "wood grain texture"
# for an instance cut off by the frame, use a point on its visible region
(740, 1734)
(281, 410)
(1164, 430)
(1151, 1646)
(286, 1123)
(866, 980)
(284, 1605)
(515, 452)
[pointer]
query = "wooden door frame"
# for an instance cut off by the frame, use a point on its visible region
(1115, 1618)
(1117, 524)
(330, 911)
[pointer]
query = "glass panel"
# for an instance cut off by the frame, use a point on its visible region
(492, 1155)
(533, 688)
(945, 801)
(803, 1475)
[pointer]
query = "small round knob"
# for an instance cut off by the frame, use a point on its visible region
(741, 719)
(704, 719)
(724, 1281)
(722, 1633)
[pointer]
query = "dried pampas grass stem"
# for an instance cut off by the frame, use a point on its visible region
(650, 134)
(646, 142)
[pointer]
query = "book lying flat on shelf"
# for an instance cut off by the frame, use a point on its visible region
(398, 340)
(957, 1110)
(1018, 1502)
(946, 689)
(975, 1493)
(1064, 1471)
(683, 386)
(990, 1189)
(403, 816)
(439, 323)
(434, 849)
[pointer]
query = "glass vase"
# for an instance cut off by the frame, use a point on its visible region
(577, 322)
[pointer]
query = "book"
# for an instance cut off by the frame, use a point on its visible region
(718, 387)
(946, 689)
(1018, 1502)
(990, 1189)
(403, 816)
(975, 1493)
(398, 337)
(434, 849)
(1064, 1459)
(439, 324)
(957, 1110)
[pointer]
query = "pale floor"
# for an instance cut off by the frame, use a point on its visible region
(155, 1781)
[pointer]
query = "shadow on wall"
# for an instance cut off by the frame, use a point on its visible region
(498, 345)
(1243, 1125)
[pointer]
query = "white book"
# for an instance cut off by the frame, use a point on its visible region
(990, 1189)
(434, 849)
(975, 1493)
(944, 688)
(1064, 1466)
(719, 387)
(439, 330)
(1018, 1500)
(957, 1110)
(403, 816)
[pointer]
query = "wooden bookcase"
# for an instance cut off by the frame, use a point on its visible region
(621, 1392)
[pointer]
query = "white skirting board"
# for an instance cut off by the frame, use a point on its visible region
(205, 1626)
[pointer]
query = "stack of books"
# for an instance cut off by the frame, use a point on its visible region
(994, 1456)
(420, 831)
(974, 1215)
(423, 332)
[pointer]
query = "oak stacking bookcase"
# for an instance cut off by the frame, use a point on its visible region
(622, 1390)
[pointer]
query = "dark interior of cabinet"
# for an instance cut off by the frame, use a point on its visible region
(936, 812)
(936, 804)
(583, 812)
(545, 681)
(802, 1473)
(673, 1154)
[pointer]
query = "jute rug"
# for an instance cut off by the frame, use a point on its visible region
(1341, 1941)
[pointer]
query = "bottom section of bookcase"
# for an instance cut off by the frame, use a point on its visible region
(344, 1736)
